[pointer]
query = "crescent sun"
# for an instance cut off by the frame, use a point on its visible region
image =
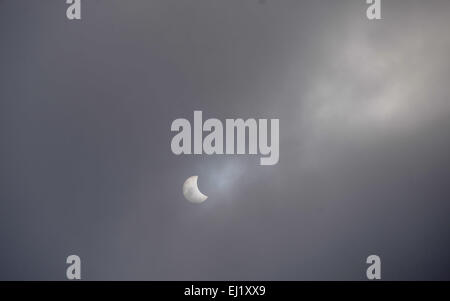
(191, 191)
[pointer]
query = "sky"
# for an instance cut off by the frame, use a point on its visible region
(86, 166)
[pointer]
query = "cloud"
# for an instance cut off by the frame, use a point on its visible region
(383, 79)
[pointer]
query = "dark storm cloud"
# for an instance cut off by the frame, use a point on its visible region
(86, 165)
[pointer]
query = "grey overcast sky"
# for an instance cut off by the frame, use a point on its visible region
(86, 166)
